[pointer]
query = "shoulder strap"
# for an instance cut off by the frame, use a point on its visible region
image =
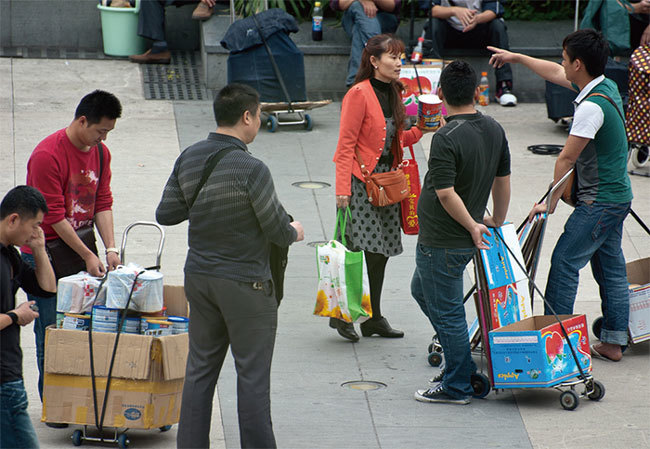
(597, 94)
(100, 151)
(211, 162)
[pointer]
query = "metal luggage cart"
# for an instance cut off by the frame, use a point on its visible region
(297, 113)
(117, 435)
(478, 331)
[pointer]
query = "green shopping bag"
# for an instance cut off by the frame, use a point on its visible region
(343, 288)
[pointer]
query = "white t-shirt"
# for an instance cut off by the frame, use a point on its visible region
(588, 116)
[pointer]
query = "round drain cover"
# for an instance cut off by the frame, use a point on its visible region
(364, 385)
(310, 184)
(316, 243)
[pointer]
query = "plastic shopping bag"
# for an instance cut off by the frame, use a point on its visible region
(78, 293)
(147, 294)
(343, 288)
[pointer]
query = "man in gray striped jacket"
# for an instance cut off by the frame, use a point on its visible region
(233, 219)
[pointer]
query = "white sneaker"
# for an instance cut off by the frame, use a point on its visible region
(508, 99)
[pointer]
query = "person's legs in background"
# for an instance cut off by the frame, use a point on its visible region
(439, 31)
(497, 36)
(151, 25)
(360, 28)
(46, 316)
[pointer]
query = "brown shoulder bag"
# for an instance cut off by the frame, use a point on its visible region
(384, 188)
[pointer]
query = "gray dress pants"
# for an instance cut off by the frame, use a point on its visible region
(243, 316)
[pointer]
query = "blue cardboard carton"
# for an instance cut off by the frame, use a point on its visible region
(534, 353)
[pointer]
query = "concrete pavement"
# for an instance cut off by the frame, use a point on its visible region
(311, 408)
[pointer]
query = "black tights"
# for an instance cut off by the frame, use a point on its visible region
(376, 267)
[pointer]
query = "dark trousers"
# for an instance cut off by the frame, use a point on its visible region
(376, 264)
(151, 19)
(227, 313)
(493, 33)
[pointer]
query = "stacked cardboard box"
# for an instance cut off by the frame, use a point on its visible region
(147, 378)
(638, 275)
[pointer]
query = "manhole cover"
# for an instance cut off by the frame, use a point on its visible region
(178, 80)
(364, 385)
(310, 184)
(316, 243)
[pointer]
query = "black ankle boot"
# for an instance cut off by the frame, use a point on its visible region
(345, 330)
(381, 328)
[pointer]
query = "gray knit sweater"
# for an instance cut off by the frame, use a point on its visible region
(235, 216)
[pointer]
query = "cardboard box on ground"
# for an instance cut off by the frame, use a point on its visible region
(147, 378)
(638, 275)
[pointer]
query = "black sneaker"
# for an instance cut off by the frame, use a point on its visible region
(438, 378)
(438, 394)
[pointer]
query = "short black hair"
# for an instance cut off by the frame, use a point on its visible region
(589, 46)
(458, 82)
(232, 101)
(97, 105)
(26, 201)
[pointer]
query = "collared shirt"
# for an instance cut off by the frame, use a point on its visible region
(601, 167)
(588, 116)
(14, 273)
(235, 216)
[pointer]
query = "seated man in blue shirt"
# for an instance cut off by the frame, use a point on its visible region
(472, 24)
(362, 20)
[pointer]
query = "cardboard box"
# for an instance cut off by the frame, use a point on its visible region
(428, 75)
(508, 297)
(147, 378)
(638, 275)
(534, 353)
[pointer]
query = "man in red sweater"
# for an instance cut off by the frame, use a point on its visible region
(65, 168)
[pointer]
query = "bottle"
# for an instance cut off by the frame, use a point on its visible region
(317, 23)
(416, 56)
(484, 90)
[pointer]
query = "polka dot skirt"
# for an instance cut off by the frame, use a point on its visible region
(638, 108)
(372, 228)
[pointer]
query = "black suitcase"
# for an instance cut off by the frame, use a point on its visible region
(559, 101)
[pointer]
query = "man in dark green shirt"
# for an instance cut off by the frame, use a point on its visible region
(469, 157)
(597, 149)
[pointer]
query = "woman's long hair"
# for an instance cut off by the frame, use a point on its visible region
(377, 46)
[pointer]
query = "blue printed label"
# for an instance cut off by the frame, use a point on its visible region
(132, 414)
(317, 23)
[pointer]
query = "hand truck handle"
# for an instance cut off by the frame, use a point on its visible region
(143, 223)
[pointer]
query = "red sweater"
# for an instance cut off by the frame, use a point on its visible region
(67, 177)
(363, 128)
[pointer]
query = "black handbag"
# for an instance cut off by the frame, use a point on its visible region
(64, 259)
(278, 255)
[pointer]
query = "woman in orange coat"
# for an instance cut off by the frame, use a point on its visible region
(372, 124)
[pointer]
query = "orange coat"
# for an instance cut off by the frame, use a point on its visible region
(363, 127)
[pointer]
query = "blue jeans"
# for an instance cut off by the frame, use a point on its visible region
(47, 316)
(16, 429)
(437, 286)
(593, 234)
(360, 28)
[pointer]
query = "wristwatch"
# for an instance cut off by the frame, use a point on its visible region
(112, 250)
(13, 316)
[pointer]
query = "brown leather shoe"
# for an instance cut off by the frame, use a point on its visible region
(147, 57)
(202, 12)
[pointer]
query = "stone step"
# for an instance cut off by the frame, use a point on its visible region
(539, 39)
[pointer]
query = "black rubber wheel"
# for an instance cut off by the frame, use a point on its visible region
(598, 393)
(435, 359)
(430, 348)
(569, 400)
(77, 438)
(480, 384)
(165, 428)
(272, 123)
(597, 326)
(123, 441)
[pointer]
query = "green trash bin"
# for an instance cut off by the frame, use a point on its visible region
(120, 31)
